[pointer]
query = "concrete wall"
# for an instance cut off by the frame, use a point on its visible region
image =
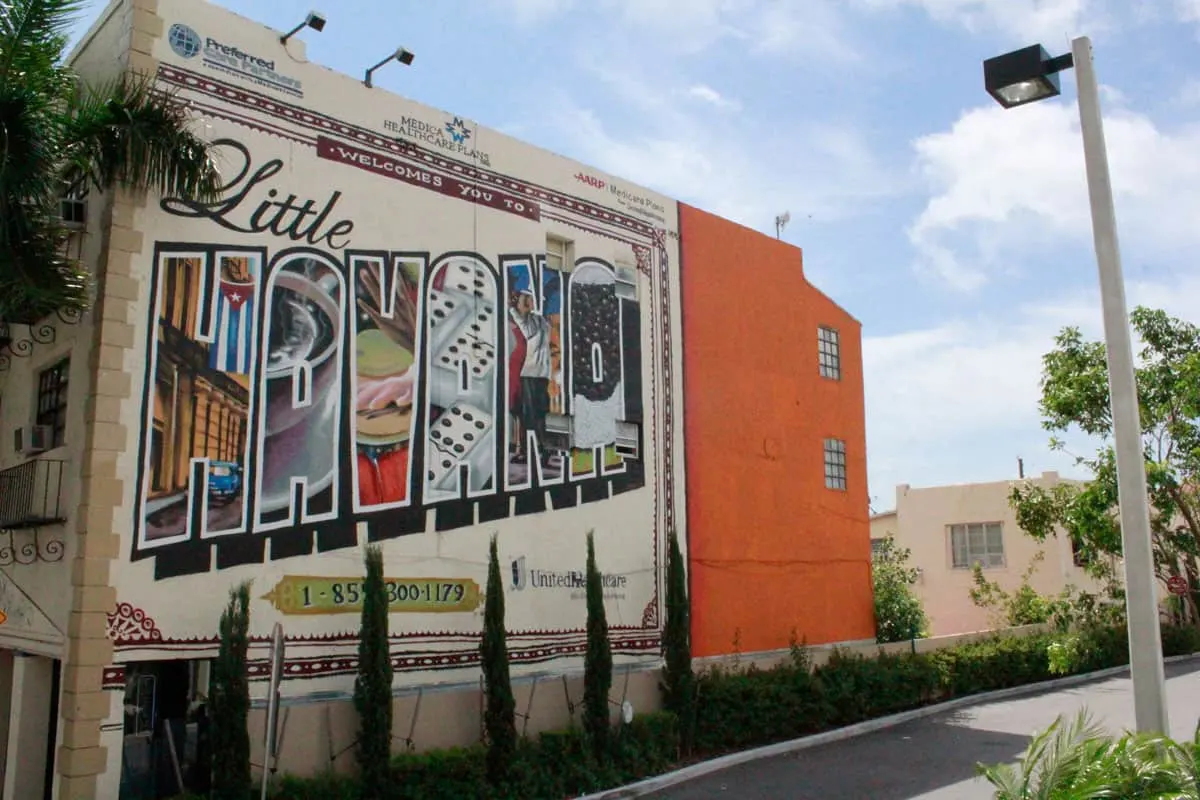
(921, 523)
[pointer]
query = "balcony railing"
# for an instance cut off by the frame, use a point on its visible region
(31, 494)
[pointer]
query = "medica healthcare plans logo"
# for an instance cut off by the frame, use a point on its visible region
(217, 55)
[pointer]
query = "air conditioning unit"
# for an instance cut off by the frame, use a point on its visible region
(73, 212)
(32, 439)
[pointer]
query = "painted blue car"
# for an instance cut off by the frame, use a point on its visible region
(224, 480)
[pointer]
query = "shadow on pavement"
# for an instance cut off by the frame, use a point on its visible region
(895, 764)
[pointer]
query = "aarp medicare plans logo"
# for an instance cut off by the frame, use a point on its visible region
(184, 41)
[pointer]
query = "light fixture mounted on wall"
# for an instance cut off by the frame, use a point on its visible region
(405, 57)
(314, 20)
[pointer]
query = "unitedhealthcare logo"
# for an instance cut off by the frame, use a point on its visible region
(187, 43)
(575, 580)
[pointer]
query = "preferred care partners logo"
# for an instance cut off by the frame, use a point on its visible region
(217, 55)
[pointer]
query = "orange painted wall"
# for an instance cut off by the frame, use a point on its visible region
(771, 550)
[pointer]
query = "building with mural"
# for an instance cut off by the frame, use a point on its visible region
(397, 327)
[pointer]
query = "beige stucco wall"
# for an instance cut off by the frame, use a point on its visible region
(921, 523)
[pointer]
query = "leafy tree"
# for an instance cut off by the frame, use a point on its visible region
(229, 700)
(58, 133)
(597, 665)
(679, 687)
(898, 612)
(499, 720)
(373, 686)
(1075, 397)
(1022, 606)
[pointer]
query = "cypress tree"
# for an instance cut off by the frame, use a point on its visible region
(373, 686)
(229, 700)
(499, 720)
(597, 665)
(678, 680)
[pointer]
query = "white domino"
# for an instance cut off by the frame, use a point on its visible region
(443, 308)
(471, 279)
(458, 431)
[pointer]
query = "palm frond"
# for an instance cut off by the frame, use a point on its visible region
(133, 133)
(33, 37)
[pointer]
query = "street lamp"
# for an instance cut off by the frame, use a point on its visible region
(1025, 76)
(405, 57)
(314, 20)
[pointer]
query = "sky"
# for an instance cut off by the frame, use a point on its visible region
(957, 232)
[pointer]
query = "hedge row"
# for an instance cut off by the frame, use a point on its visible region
(742, 709)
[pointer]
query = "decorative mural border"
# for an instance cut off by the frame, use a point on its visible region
(646, 242)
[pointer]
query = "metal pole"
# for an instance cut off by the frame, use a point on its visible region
(1145, 643)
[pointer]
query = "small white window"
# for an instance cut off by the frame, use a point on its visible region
(835, 464)
(559, 254)
(829, 353)
(977, 542)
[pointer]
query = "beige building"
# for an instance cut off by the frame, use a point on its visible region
(949, 528)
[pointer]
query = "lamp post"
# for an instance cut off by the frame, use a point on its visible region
(1026, 76)
(405, 57)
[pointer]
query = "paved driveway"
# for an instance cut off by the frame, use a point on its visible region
(934, 758)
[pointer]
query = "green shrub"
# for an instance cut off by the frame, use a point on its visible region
(739, 709)
(597, 660)
(499, 720)
(373, 685)
(229, 701)
(554, 765)
(1180, 640)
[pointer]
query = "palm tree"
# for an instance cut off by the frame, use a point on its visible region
(1080, 761)
(58, 133)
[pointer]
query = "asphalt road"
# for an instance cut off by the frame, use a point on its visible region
(934, 758)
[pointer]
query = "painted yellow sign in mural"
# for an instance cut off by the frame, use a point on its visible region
(319, 594)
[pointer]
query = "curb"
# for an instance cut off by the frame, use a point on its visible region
(660, 782)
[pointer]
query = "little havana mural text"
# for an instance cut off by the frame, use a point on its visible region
(295, 394)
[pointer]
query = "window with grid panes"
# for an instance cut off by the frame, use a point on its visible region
(52, 401)
(558, 254)
(981, 542)
(835, 464)
(829, 353)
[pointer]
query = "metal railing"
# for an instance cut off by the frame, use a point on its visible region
(31, 494)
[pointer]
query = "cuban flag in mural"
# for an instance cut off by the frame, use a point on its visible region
(232, 345)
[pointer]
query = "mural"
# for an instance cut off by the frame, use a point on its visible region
(290, 386)
(535, 390)
(386, 296)
(203, 357)
(372, 338)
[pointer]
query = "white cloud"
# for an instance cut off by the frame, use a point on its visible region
(966, 390)
(1001, 176)
(707, 94)
(1048, 20)
(1189, 10)
(808, 28)
(732, 165)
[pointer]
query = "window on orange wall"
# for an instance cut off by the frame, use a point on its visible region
(835, 464)
(829, 353)
(974, 543)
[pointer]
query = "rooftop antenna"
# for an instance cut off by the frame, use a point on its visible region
(781, 222)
